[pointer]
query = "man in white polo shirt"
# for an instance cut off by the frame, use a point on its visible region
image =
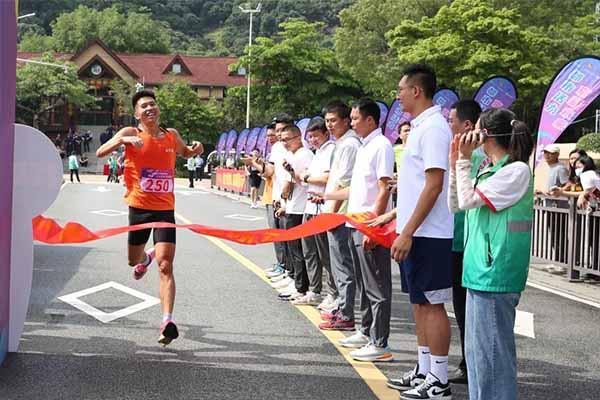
(425, 229)
(298, 158)
(316, 247)
(368, 192)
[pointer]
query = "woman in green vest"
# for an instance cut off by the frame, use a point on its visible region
(499, 213)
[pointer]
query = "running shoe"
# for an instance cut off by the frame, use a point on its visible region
(168, 332)
(371, 352)
(140, 269)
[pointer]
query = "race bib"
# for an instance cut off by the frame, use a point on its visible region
(156, 180)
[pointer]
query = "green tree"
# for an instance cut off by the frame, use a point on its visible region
(182, 109)
(361, 45)
(470, 40)
(296, 72)
(135, 32)
(41, 88)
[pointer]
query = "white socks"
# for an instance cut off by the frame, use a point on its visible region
(169, 317)
(439, 368)
(424, 360)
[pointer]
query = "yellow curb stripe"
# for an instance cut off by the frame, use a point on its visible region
(370, 374)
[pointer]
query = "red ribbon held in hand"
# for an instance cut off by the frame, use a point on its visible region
(47, 230)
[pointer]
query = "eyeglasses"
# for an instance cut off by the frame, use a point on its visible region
(289, 139)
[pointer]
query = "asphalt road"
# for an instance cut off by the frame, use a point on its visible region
(237, 340)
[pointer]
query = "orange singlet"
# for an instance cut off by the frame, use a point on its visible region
(149, 172)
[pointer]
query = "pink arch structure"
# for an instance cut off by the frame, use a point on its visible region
(8, 62)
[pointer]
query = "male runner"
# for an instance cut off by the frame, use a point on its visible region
(150, 152)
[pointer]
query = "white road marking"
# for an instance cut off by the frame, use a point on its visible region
(243, 217)
(109, 213)
(524, 323)
(190, 192)
(102, 189)
(563, 294)
(73, 299)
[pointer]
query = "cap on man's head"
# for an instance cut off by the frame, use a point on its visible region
(552, 148)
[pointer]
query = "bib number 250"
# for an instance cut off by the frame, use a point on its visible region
(156, 181)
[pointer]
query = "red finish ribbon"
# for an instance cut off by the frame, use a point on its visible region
(47, 230)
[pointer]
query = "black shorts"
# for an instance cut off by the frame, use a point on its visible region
(255, 180)
(138, 216)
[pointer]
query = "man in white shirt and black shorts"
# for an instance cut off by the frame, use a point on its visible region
(425, 230)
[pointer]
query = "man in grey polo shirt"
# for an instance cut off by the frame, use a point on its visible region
(368, 192)
(339, 314)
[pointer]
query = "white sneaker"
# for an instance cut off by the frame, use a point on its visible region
(355, 341)
(333, 306)
(372, 353)
(288, 290)
(326, 303)
(282, 283)
(309, 299)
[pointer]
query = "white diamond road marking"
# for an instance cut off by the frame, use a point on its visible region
(243, 217)
(524, 323)
(109, 213)
(73, 299)
(102, 189)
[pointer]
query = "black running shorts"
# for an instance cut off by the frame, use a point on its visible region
(138, 216)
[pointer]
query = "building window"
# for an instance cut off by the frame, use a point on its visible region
(176, 68)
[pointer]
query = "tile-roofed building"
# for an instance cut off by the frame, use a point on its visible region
(99, 66)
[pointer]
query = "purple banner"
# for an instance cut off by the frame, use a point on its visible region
(241, 142)
(571, 91)
(395, 117)
(445, 98)
(383, 112)
(221, 142)
(496, 92)
(8, 54)
(231, 138)
(252, 139)
(261, 143)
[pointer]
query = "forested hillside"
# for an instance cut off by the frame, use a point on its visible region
(209, 27)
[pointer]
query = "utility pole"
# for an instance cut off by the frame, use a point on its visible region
(251, 12)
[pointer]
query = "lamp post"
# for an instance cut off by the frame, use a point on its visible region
(251, 12)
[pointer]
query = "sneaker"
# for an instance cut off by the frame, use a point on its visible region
(459, 376)
(329, 316)
(309, 299)
(272, 268)
(289, 296)
(140, 269)
(332, 307)
(337, 324)
(372, 353)
(277, 272)
(283, 283)
(431, 388)
(410, 380)
(326, 303)
(355, 341)
(168, 332)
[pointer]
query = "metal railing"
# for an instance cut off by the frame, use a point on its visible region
(566, 236)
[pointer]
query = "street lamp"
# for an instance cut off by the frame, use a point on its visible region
(63, 66)
(25, 16)
(251, 12)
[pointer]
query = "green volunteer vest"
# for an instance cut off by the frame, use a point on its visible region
(498, 244)
(458, 242)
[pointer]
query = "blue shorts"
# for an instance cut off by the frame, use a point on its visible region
(427, 273)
